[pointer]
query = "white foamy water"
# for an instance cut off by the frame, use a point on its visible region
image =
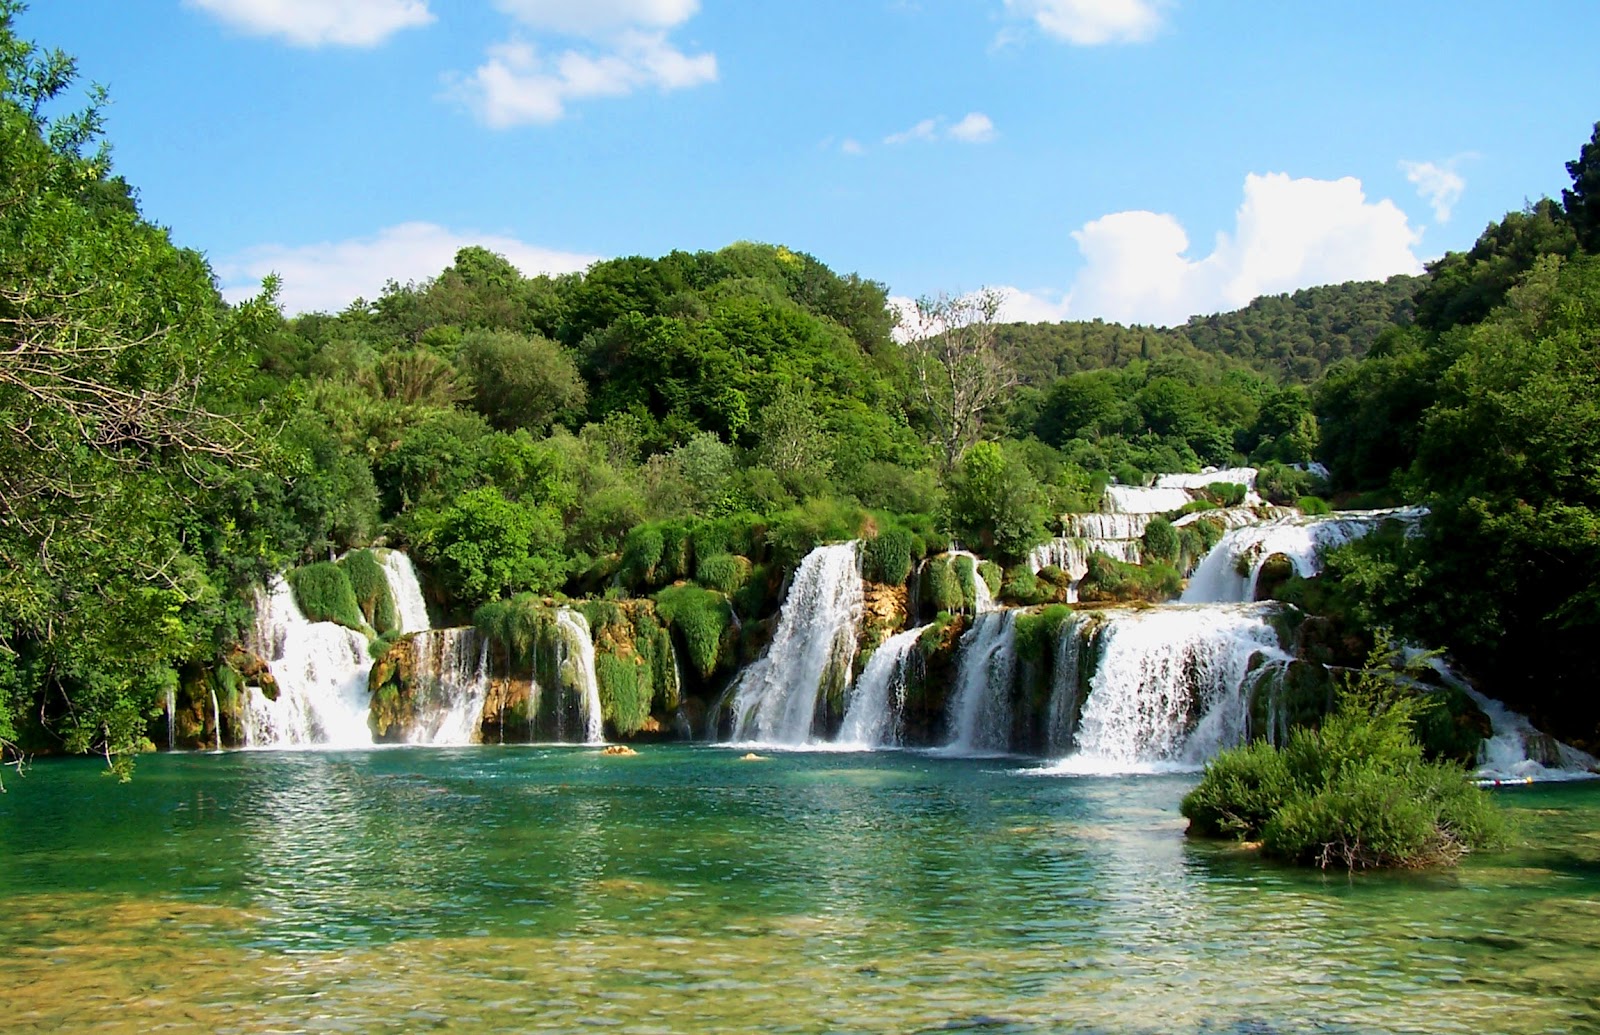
(406, 592)
(452, 677)
(575, 657)
(872, 716)
(321, 671)
(978, 712)
(776, 699)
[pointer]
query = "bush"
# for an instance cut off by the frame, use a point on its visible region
(323, 592)
(886, 558)
(371, 588)
(1109, 579)
(1226, 494)
(641, 555)
(1313, 505)
(944, 586)
(1160, 540)
(1357, 792)
(722, 572)
(991, 575)
(702, 618)
(966, 574)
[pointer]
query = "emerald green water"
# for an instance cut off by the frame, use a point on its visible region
(687, 890)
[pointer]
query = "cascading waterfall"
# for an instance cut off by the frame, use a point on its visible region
(216, 719)
(172, 717)
(979, 710)
(1172, 686)
(776, 700)
(1217, 579)
(452, 678)
(321, 671)
(1065, 686)
(1133, 499)
(873, 716)
(1245, 476)
(575, 660)
(1509, 752)
(406, 591)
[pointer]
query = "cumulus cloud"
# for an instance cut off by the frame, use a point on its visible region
(623, 47)
(1437, 184)
(1289, 233)
(1092, 23)
(328, 276)
(974, 128)
(851, 146)
(313, 23)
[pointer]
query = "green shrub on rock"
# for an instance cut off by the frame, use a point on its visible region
(886, 558)
(323, 592)
(702, 618)
(370, 585)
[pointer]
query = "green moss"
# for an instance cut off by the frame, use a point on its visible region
(702, 619)
(1036, 632)
(991, 575)
(625, 691)
(370, 585)
(1112, 580)
(641, 555)
(1313, 505)
(966, 574)
(324, 595)
(944, 586)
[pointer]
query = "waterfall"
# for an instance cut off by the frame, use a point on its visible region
(979, 710)
(1065, 687)
(575, 660)
(1217, 579)
(1131, 499)
(172, 710)
(873, 716)
(1172, 686)
(1245, 476)
(451, 678)
(1069, 554)
(406, 591)
(776, 700)
(216, 719)
(1508, 753)
(321, 671)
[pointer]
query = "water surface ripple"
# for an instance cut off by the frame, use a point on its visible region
(686, 890)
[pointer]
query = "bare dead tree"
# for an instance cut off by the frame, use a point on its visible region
(961, 373)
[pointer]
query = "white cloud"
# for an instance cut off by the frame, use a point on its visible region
(599, 17)
(851, 146)
(327, 276)
(312, 23)
(1289, 234)
(1092, 23)
(625, 49)
(1439, 185)
(974, 128)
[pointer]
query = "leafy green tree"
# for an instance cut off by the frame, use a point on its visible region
(520, 381)
(995, 502)
(1582, 202)
(484, 546)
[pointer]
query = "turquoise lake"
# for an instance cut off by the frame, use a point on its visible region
(689, 890)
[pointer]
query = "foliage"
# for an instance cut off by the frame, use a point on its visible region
(323, 594)
(370, 586)
(702, 619)
(521, 381)
(1112, 580)
(724, 572)
(996, 502)
(887, 557)
(625, 691)
(1355, 792)
(484, 545)
(1160, 541)
(943, 585)
(958, 367)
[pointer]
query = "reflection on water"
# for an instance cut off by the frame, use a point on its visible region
(686, 890)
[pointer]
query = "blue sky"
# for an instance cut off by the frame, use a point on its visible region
(1130, 159)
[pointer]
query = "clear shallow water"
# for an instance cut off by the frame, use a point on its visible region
(686, 890)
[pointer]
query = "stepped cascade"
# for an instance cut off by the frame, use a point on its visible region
(452, 673)
(406, 591)
(777, 698)
(321, 671)
(1218, 579)
(1171, 686)
(979, 710)
(575, 659)
(873, 714)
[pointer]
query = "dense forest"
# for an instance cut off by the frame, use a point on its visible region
(167, 452)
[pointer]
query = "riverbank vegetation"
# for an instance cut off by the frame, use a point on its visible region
(1354, 792)
(686, 427)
